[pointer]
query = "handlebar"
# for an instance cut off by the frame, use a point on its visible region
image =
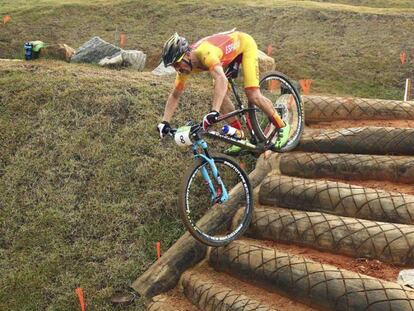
(196, 128)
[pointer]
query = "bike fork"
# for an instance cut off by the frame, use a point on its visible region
(221, 195)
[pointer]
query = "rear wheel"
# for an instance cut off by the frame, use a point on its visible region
(197, 203)
(287, 102)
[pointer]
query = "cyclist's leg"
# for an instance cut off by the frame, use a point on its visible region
(228, 107)
(250, 65)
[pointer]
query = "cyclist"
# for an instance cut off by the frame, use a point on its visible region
(213, 54)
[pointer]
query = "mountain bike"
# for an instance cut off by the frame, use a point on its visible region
(214, 180)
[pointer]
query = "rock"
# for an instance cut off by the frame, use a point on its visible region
(94, 50)
(134, 58)
(161, 70)
(112, 61)
(406, 277)
(123, 298)
(58, 51)
(266, 63)
(99, 51)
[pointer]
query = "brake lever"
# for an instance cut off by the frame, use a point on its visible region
(196, 128)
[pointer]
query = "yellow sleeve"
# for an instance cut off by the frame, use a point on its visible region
(180, 81)
(209, 55)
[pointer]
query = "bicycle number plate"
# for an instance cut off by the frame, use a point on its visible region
(182, 136)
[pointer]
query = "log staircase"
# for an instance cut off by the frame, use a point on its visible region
(333, 223)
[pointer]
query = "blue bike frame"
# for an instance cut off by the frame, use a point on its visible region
(224, 194)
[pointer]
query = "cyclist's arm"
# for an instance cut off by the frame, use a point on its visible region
(220, 86)
(210, 56)
(172, 104)
(173, 98)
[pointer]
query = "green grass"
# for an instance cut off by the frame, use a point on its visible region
(352, 43)
(86, 187)
(404, 4)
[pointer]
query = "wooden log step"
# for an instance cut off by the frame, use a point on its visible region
(388, 242)
(208, 294)
(164, 274)
(231, 286)
(327, 108)
(337, 198)
(322, 286)
(363, 140)
(348, 166)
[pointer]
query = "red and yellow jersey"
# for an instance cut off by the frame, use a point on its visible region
(221, 49)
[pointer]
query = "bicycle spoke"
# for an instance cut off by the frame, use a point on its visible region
(286, 101)
(199, 203)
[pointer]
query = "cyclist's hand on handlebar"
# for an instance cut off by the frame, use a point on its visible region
(164, 129)
(210, 118)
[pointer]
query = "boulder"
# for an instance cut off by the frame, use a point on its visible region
(94, 50)
(134, 58)
(58, 51)
(112, 61)
(161, 70)
(99, 51)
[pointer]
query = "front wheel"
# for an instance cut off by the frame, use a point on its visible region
(286, 100)
(199, 201)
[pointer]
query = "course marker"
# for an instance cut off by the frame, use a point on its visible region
(305, 85)
(6, 19)
(403, 58)
(273, 85)
(158, 250)
(79, 293)
(242, 165)
(269, 50)
(291, 102)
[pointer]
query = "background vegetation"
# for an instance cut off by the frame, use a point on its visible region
(346, 47)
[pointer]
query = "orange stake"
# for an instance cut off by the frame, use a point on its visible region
(122, 40)
(273, 85)
(291, 102)
(6, 19)
(242, 165)
(305, 85)
(403, 57)
(158, 250)
(79, 293)
(269, 50)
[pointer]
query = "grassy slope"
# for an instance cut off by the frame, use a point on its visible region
(86, 189)
(404, 4)
(346, 49)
